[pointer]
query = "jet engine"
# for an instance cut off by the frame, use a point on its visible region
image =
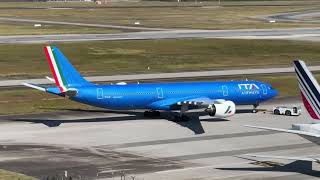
(221, 109)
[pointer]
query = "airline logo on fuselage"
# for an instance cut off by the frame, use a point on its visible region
(249, 88)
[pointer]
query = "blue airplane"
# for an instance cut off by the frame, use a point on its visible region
(218, 99)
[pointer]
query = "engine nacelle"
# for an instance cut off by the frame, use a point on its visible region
(222, 109)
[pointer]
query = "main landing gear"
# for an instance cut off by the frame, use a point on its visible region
(182, 117)
(151, 114)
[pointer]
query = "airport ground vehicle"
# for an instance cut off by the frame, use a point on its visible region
(287, 110)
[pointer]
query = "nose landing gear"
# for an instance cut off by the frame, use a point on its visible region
(255, 110)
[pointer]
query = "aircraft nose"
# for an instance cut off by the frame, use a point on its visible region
(274, 93)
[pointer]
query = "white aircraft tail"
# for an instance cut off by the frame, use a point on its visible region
(309, 88)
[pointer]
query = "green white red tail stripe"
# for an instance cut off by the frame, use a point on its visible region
(55, 68)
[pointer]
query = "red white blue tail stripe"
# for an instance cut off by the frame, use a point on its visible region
(309, 87)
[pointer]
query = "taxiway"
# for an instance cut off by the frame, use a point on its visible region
(291, 34)
(104, 144)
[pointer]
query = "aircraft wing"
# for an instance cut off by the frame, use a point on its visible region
(285, 157)
(302, 133)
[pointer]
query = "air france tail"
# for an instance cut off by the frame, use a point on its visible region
(65, 75)
(309, 88)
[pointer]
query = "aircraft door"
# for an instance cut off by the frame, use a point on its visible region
(99, 93)
(264, 89)
(160, 93)
(225, 90)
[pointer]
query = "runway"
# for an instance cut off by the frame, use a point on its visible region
(292, 33)
(159, 76)
(104, 144)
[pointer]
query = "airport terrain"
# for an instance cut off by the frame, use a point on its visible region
(149, 41)
(105, 144)
(168, 17)
(139, 16)
(161, 56)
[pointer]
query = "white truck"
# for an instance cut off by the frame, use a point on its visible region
(287, 110)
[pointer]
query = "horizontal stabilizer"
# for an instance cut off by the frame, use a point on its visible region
(34, 87)
(50, 79)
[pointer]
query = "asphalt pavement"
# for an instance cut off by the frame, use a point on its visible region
(168, 34)
(137, 77)
(102, 144)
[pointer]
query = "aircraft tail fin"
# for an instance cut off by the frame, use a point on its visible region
(64, 74)
(309, 88)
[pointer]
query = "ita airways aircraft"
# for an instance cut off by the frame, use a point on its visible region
(218, 99)
(310, 93)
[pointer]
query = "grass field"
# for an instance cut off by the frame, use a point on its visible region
(206, 17)
(154, 3)
(7, 175)
(24, 101)
(132, 57)
(29, 29)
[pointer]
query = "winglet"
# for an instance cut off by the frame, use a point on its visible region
(50, 79)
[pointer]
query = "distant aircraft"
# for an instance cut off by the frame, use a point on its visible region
(218, 99)
(310, 93)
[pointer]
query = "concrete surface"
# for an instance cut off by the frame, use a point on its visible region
(242, 33)
(103, 144)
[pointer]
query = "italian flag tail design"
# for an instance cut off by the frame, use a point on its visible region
(56, 68)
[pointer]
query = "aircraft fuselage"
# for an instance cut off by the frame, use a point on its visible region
(143, 96)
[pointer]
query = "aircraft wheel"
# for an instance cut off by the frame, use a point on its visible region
(147, 114)
(155, 113)
(151, 114)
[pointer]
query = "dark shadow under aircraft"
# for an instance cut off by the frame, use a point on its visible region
(302, 167)
(194, 123)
